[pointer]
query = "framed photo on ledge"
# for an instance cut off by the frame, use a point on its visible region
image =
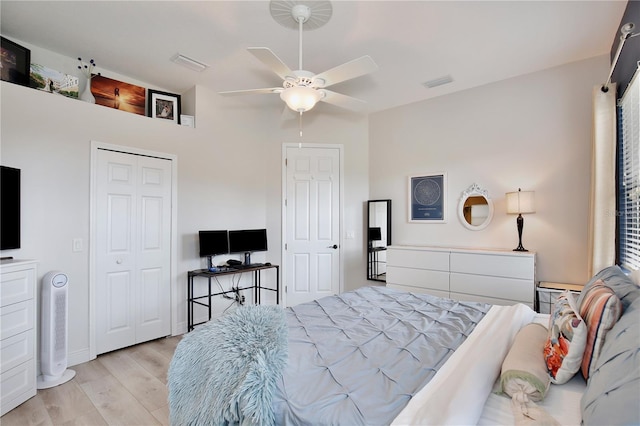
(427, 198)
(15, 62)
(163, 105)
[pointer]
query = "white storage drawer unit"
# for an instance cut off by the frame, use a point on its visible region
(548, 293)
(17, 333)
(423, 271)
(500, 277)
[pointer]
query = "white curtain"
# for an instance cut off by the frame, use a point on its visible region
(602, 217)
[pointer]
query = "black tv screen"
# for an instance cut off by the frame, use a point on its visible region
(247, 240)
(213, 243)
(9, 208)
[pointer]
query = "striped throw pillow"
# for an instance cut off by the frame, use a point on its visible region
(600, 308)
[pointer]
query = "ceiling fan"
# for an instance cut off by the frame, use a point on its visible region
(302, 89)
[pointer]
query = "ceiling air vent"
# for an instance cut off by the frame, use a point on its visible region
(438, 81)
(192, 64)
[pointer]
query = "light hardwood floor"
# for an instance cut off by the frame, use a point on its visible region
(124, 387)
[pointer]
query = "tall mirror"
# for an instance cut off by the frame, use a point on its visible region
(476, 208)
(378, 238)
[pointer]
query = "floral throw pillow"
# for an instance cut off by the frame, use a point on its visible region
(566, 340)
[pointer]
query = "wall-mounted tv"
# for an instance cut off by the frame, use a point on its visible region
(247, 240)
(9, 208)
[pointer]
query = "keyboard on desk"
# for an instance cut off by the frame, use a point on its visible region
(252, 265)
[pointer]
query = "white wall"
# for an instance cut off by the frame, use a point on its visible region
(229, 177)
(532, 132)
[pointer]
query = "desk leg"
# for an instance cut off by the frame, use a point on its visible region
(189, 303)
(277, 285)
(256, 285)
(209, 298)
(375, 264)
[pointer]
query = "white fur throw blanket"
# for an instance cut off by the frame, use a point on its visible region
(225, 371)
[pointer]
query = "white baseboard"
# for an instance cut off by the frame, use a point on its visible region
(78, 357)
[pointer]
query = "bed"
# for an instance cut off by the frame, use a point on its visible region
(383, 356)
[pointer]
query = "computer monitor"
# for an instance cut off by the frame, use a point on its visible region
(375, 234)
(213, 243)
(247, 241)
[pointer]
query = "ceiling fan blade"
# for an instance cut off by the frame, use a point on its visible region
(251, 91)
(267, 57)
(343, 101)
(346, 71)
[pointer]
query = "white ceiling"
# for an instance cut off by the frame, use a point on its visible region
(476, 42)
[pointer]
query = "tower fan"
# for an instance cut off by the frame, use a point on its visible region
(54, 317)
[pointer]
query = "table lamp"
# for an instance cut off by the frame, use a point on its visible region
(518, 203)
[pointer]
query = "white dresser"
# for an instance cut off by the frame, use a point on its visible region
(499, 277)
(18, 335)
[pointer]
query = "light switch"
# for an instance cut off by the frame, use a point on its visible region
(77, 245)
(351, 235)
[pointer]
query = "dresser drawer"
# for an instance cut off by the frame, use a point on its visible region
(17, 286)
(437, 293)
(16, 349)
(521, 267)
(509, 289)
(422, 259)
(482, 299)
(16, 318)
(17, 385)
(420, 278)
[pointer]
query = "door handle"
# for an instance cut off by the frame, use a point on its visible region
(335, 246)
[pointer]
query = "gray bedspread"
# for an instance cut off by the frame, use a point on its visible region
(358, 358)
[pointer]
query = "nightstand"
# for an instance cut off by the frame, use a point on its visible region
(548, 292)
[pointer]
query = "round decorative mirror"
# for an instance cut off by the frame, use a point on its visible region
(475, 209)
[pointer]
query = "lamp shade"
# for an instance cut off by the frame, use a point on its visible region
(521, 202)
(301, 98)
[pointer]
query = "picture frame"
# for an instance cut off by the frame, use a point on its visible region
(427, 198)
(118, 94)
(163, 106)
(15, 61)
(53, 81)
(187, 120)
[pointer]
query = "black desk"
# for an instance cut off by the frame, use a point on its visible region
(205, 273)
(372, 264)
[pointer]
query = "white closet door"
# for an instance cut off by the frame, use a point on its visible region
(133, 209)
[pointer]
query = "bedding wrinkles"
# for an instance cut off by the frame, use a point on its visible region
(359, 357)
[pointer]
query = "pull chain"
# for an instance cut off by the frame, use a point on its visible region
(300, 127)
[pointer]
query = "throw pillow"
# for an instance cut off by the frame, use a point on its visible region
(523, 370)
(613, 277)
(566, 340)
(611, 398)
(600, 308)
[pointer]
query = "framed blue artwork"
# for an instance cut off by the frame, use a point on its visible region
(427, 198)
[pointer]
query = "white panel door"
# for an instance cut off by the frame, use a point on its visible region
(312, 267)
(133, 210)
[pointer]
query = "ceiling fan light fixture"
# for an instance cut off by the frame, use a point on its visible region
(301, 98)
